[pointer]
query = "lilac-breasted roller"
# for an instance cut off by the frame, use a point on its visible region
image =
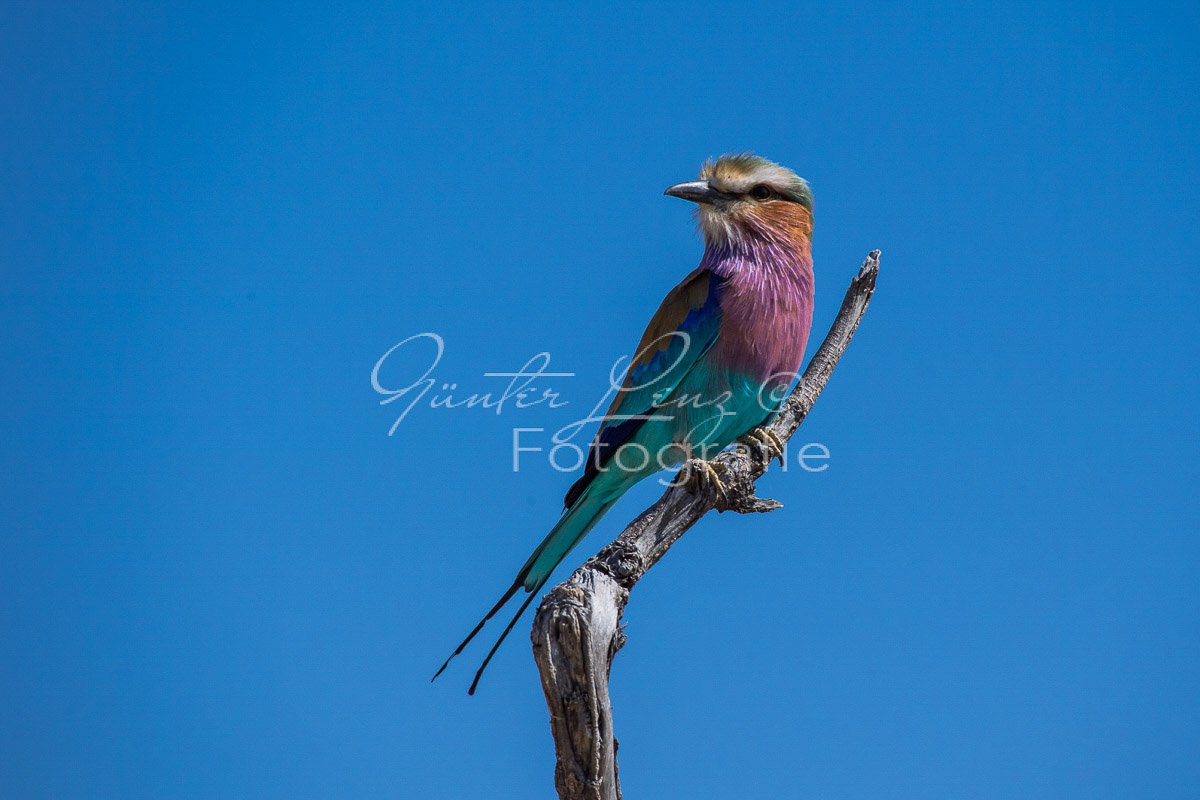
(715, 361)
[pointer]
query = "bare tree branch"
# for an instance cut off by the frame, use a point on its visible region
(577, 629)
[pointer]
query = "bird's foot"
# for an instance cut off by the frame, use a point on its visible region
(763, 438)
(700, 477)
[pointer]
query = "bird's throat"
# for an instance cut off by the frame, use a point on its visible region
(767, 291)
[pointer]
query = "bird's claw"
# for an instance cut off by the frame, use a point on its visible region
(764, 437)
(701, 476)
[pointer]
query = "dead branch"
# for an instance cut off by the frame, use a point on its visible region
(577, 629)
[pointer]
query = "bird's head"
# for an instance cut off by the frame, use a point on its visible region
(742, 195)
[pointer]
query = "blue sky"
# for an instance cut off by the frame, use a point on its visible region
(220, 577)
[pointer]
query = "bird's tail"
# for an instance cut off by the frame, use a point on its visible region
(563, 537)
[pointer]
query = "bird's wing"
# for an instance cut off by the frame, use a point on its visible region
(679, 334)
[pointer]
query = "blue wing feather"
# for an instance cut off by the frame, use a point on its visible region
(682, 330)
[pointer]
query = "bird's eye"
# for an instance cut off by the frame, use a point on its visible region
(761, 192)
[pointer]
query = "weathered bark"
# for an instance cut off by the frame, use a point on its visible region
(577, 629)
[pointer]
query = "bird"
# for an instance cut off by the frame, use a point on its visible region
(712, 366)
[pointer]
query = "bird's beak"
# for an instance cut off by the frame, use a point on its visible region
(697, 192)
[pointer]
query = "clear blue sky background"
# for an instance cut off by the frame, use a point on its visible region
(219, 577)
